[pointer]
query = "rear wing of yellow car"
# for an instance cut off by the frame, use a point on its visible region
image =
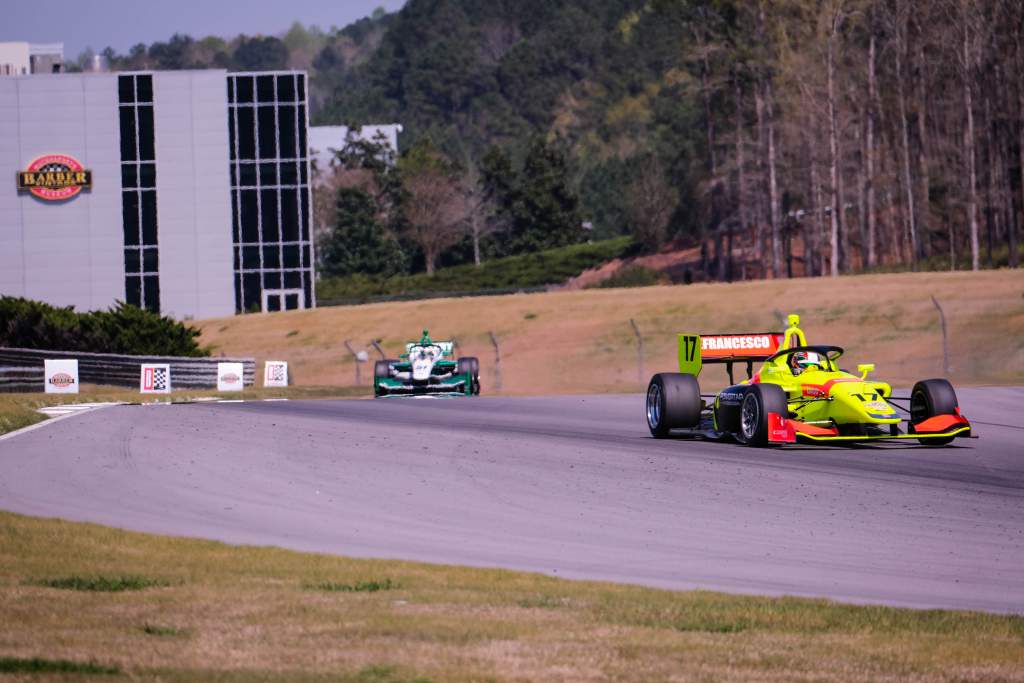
(696, 350)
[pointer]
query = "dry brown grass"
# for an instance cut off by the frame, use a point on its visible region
(247, 613)
(230, 613)
(580, 341)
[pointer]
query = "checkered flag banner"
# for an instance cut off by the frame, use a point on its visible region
(155, 379)
(275, 373)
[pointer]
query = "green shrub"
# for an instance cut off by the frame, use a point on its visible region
(634, 276)
(515, 272)
(104, 584)
(37, 665)
(122, 329)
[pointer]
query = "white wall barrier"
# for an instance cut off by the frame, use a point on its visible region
(61, 376)
(155, 378)
(229, 377)
(275, 373)
(23, 369)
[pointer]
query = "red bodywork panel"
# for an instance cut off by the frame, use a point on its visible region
(941, 423)
(813, 430)
(780, 429)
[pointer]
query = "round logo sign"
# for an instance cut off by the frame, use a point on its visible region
(54, 177)
(62, 380)
(229, 378)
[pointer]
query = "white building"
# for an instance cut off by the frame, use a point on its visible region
(183, 192)
(22, 59)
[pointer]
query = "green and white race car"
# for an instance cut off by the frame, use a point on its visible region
(427, 368)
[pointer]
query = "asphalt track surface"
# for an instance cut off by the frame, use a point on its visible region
(567, 486)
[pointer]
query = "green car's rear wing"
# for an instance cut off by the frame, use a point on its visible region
(696, 350)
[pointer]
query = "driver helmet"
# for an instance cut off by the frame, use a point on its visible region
(805, 360)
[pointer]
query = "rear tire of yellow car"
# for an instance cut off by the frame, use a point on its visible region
(673, 402)
(931, 397)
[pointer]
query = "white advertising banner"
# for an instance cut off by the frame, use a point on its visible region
(61, 376)
(275, 373)
(155, 378)
(230, 377)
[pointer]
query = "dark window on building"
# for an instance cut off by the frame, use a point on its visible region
(268, 174)
(129, 176)
(250, 217)
(133, 290)
(132, 262)
(128, 143)
(289, 216)
(286, 116)
(267, 132)
(245, 88)
(147, 175)
(130, 217)
(138, 193)
(246, 133)
(272, 256)
(151, 292)
(126, 89)
(147, 150)
(289, 173)
(143, 88)
(270, 186)
(247, 175)
(265, 89)
(285, 88)
(149, 233)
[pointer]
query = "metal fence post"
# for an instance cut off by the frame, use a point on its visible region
(375, 343)
(497, 361)
(358, 357)
(639, 351)
(945, 337)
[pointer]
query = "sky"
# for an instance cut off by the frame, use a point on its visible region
(122, 23)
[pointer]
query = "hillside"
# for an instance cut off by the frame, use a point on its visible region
(581, 341)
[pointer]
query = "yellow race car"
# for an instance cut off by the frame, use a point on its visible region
(799, 394)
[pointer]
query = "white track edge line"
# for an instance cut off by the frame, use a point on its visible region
(46, 422)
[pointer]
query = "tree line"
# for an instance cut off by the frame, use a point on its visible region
(878, 132)
(783, 137)
(381, 215)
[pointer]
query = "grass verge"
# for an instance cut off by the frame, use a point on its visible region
(249, 616)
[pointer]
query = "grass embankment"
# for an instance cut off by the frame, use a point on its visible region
(22, 410)
(119, 605)
(512, 273)
(581, 341)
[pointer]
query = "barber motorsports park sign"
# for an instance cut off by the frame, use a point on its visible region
(54, 177)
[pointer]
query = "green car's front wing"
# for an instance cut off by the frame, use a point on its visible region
(454, 385)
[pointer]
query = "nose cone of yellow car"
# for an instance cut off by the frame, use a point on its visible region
(861, 402)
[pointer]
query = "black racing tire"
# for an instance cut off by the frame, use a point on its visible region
(931, 397)
(382, 369)
(759, 400)
(470, 365)
(673, 402)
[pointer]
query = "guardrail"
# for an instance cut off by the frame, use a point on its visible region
(22, 369)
